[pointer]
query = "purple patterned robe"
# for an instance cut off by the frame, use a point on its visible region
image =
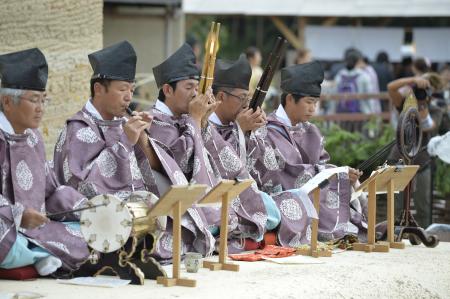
(283, 158)
(95, 157)
(294, 229)
(27, 181)
(183, 141)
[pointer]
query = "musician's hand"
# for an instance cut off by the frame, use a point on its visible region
(263, 115)
(249, 120)
(354, 175)
(32, 219)
(136, 125)
(199, 106)
(143, 137)
(213, 106)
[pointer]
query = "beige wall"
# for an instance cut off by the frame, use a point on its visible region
(66, 31)
(145, 29)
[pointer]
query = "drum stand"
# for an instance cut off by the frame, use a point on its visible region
(409, 137)
(121, 263)
(407, 227)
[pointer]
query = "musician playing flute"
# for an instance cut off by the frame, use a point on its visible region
(101, 152)
(228, 129)
(29, 189)
(289, 151)
(179, 114)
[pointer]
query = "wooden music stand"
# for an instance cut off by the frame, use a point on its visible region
(388, 179)
(312, 250)
(223, 192)
(175, 203)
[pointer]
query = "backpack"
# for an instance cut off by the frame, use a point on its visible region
(348, 84)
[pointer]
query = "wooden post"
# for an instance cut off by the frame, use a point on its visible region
(390, 211)
(224, 228)
(176, 240)
(175, 202)
(391, 217)
(301, 22)
(224, 192)
(287, 32)
(315, 222)
(313, 251)
(372, 212)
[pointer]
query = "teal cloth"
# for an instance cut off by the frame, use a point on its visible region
(273, 218)
(273, 213)
(214, 230)
(24, 253)
(21, 254)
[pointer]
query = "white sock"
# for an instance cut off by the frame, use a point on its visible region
(47, 265)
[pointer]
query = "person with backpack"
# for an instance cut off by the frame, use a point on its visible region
(352, 79)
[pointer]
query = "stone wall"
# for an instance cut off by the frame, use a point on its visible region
(66, 31)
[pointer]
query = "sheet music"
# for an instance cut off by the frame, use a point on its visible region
(312, 184)
(322, 176)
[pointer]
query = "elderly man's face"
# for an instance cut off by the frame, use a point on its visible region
(28, 113)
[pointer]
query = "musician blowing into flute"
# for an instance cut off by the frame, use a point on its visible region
(104, 150)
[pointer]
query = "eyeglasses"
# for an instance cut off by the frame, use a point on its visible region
(242, 99)
(38, 100)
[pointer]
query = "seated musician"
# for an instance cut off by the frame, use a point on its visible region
(179, 114)
(29, 189)
(100, 151)
(289, 151)
(233, 120)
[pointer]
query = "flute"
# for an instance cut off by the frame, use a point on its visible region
(272, 65)
(209, 62)
(130, 113)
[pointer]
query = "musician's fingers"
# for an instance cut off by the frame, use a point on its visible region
(249, 112)
(256, 115)
(134, 113)
(355, 173)
(209, 91)
(261, 119)
(133, 119)
(142, 125)
(146, 116)
(259, 124)
(264, 114)
(206, 99)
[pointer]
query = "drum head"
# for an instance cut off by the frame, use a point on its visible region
(106, 228)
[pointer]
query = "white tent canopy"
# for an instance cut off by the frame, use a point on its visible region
(336, 8)
(329, 43)
(433, 43)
